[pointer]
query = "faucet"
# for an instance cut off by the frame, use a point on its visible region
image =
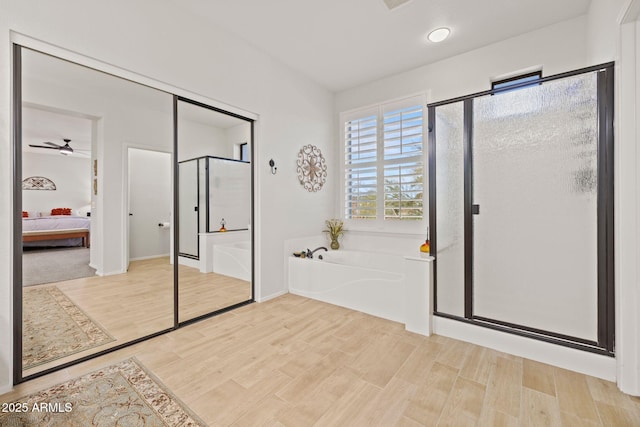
(311, 252)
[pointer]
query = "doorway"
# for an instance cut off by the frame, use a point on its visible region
(149, 200)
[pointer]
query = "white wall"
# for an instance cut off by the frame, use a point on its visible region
(6, 213)
(603, 31)
(198, 139)
(614, 36)
(72, 176)
(159, 41)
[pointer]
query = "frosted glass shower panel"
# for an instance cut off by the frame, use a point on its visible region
(450, 208)
(535, 181)
(229, 194)
(188, 208)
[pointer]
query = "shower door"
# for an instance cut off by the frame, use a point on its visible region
(523, 209)
(188, 208)
(534, 161)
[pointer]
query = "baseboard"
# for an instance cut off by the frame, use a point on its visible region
(189, 262)
(272, 296)
(5, 389)
(596, 365)
(110, 273)
(149, 257)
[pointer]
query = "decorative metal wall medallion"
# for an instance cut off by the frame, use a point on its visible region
(312, 169)
(38, 183)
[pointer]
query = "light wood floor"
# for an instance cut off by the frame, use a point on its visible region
(299, 362)
(140, 302)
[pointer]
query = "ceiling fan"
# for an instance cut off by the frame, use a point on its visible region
(63, 149)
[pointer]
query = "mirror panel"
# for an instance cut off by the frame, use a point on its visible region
(96, 264)
(214, 237)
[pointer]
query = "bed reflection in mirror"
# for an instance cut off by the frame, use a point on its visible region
(96, 266)
(214, 199)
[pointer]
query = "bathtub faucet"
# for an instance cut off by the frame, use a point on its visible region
(311, 252)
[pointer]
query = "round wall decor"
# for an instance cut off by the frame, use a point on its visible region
(312, 169)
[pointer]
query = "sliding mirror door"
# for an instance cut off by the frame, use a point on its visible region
(94, 182)
(215, 255)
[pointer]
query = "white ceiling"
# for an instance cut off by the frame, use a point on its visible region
(40, 125)
(345, 43)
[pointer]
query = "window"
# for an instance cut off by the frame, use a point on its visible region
(244, 152)
(524, 78)
(384, 161)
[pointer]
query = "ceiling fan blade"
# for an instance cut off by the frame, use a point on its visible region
(43, 146)
(52, 144)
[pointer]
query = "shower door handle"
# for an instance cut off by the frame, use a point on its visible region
(475, 209)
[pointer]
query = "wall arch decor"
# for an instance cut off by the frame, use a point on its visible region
(312, 168)
(38, 183)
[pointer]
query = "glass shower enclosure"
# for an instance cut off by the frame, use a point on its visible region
(214, 196)
(522, 208)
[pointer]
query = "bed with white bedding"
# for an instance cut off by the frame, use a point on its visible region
(56, 230)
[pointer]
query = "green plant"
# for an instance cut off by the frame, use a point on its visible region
(335, 228)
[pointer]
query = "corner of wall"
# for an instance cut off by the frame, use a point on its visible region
(6, 214)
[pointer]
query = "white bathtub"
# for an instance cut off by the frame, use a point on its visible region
(233, 259)
(393, 287)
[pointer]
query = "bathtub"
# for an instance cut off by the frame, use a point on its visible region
(233, 259)
(390, 286)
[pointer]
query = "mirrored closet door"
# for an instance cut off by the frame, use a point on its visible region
(215, 257)
(94, 171)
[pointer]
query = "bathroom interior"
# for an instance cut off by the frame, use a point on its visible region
(517, 184)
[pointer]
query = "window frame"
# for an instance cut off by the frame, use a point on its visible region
(519, 81)
(380, 224)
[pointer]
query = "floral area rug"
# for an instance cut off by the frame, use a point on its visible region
(54, 327)
(124, 394)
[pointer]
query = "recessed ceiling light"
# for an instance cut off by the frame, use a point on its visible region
(439, 34)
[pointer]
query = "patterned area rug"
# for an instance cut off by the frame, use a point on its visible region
(124, 394)
(54, 327)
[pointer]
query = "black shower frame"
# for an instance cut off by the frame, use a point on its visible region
(605, 343)
(16, 94)
(207, 202)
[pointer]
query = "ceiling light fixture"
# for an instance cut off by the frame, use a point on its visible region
(439, 34)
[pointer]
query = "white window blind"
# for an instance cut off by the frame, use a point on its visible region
(384, 162)
(361, 156)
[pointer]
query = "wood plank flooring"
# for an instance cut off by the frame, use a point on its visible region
(293, 361)
(140, 302)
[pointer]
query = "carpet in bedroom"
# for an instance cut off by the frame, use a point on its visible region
(55, 265)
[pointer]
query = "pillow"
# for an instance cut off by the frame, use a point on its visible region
(25, 214)
(61, 211)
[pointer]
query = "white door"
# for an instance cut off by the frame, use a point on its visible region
(150, 197)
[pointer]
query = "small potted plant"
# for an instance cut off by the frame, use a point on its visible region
(335, 228)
